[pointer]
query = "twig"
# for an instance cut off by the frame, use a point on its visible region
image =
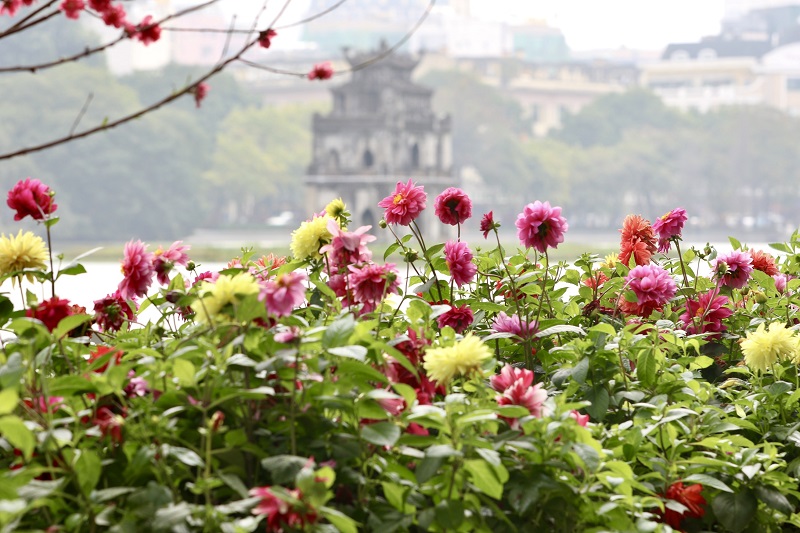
(82, 112)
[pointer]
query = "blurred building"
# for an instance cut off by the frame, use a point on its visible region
(382, 129)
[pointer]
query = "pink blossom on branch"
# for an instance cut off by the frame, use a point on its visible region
(31, 197)
(321, 71)
(147, 31)
(137, 270)
(200, 91)
(72, 8)
(459, 261)
(265, 38)
(114, 16)
(101, 6)
(541, 226)
(453, 206)
(405, 204)
(10, 7)
(669, 227)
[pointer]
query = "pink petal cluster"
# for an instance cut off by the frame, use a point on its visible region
(72, 8)
(582, 420)
(370, 283)
(458, 317)
(515, 386)
(734, 269)
(165, 260)
(200, 91)
(31, 197)
(708, 311)
(347, 247)
(453, 206)
(541, 226)
(405, 204)
(669, 227)
(780, 282)
(459, 261)
(147, 31)
(112, 311)
(488, 224)
(137, 270)
(321, 71)
(285, 293)
(513, 324)
(282, 515)
(651, 284)
(265, 38)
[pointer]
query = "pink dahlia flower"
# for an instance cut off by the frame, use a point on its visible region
(513, 324)
(31, 197)
(453, 206)
(112, 311)
(669, 227)
(540, 226)
(734, 268)
(165, 260)
(488, 224)
(405, 204)
(651, 284)
(510, 375)
(50, 312)
(458, 318)
(321, 71)
(707, 311)
(371, 282)
(459, 261)
(532, 398)
(582, 420)
(137, 270)
(347, 247)
(285, 293)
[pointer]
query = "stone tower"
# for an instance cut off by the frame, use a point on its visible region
(382, 130)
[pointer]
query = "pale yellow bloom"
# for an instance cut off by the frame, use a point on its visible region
(214, 296)
(310, 237)
(766, 346)
(335, 208)
(25, 251)
(463, 358)
(610, 261)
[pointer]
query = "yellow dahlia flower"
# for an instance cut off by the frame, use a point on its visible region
(336, 208)
(766, 346)
(309, 237)
(216, 295)
(463, 358)
(610, 261)
(21, 252)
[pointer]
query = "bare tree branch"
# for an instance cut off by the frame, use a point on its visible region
(21, 25)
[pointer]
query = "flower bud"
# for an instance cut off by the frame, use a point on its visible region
(191, 266)
(760, 297)
(411, 255)
(745, 291)
(382, 224)
(216, 421)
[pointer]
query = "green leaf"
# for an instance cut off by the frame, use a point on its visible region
(598, 395)
(646, 367)
(735, 243)
(735, 511)
(450, 513)
(338, 333)
(283, 468)
(781, 247)
(88, 469)
(71, 385)
(354, 351)
(340, 521)
(708, 481)
(69, 323)
(774, 499)
(561, 328)
(381, 434)
(14, 431)
(8, 401)
(184, 371)
(184, 455)
(72, 270)
(395, 494)
(427, 468)
(486, 478)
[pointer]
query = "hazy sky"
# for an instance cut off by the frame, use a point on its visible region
(588, 24)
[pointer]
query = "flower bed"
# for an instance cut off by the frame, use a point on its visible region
(485, 392)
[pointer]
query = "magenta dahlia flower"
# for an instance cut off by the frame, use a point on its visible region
(651, 284)
(371, 282)
(50, 312)
(488, 224)
(513, 324)
(669, 227)
(453, 206)
(31, 197)
(405, 204)
(165, 260)
(707, 311)
(508, 376)
(458, 318)
(347, 247)
(112, 311)
(733, 269)
(137, 270)
(541, 226)
(459, 261)
(285, 293)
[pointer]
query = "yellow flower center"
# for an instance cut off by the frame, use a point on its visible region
(397, 199)
(700, 311)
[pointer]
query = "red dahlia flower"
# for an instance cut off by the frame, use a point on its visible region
(31, 197)
(453, 206)
(458, 318)
(764, 262)
(638, 240)
(50, 312)
(690, 498)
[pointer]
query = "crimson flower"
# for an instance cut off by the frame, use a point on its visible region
(114, 16)
(708, 311)
(99, 353)
(321, 71)
(405, 204)
(281, 513)
(31, 197)
(458, 318)
(137, 270)
(690, 498)
(488, 224)
(110, 423)
(669, 227)
(638, 240)
(148, 31)
(112, 311)
(371, 282)
(50, 312)
(459, 261)
(265, 38)
(72, 8)
(453, 206)
(101, 6)
(541, 226)
(200, 91)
